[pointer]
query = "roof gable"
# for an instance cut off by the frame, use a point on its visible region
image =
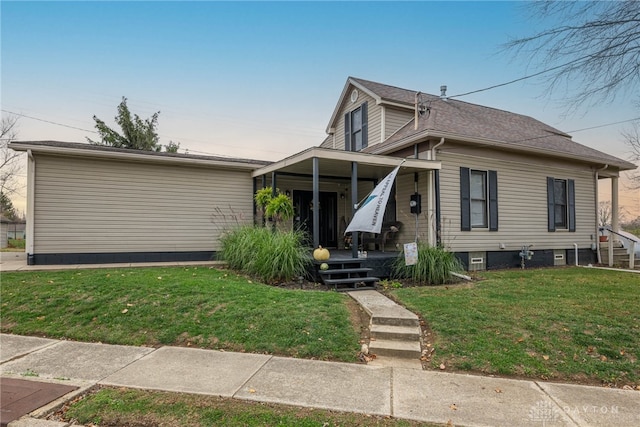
(472, 123)
(382, 94)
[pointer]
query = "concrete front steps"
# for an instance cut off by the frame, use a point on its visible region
(395, 334)
(620, 256)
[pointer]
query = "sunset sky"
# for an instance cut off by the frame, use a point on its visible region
(261, 79)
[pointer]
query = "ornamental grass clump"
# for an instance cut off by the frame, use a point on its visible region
(270, 255)
(434, 267)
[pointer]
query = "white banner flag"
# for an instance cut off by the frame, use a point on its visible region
(368, 217)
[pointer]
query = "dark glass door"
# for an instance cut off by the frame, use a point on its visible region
(328, 211)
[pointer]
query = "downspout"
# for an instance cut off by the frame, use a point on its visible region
(31, 197)
(433, 199)
(595, 185)
(433, 149)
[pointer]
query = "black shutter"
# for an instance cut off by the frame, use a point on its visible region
(493, 201)
(551, 218)
(365, 126)
(465, 200)
(571, 202)
(347, 132)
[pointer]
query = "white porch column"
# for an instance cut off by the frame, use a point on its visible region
(614, 205)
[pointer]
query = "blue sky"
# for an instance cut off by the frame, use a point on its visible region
(261, 79)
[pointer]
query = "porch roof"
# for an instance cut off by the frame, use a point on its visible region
(337, 163)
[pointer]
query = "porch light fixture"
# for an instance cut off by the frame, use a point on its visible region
(287, 193)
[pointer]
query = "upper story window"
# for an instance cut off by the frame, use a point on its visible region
(561, 209)
(356, 129)
(478, 199)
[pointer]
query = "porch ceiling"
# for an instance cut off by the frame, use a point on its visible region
(337, 163)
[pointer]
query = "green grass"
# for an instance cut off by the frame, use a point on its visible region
(117, 407)
(194, 306)
(17, 243)
(570, 323)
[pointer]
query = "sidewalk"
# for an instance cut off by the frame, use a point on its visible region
(437, 397)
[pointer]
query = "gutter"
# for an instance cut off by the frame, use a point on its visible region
(419, 136)
(137, 156)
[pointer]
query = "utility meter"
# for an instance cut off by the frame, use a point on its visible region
(415, 203)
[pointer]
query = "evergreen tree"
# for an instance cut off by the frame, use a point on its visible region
(136, 134)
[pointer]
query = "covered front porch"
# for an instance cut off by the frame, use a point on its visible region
(326, 185)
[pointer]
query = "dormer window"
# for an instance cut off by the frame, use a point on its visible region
(356, 129)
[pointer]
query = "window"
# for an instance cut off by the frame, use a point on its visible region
(478, 192)
(561, 209)
(356, 129)
(560, 203)
(478, 199)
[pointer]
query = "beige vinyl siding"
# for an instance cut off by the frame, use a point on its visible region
(395, 118)
(405, 187)
(522, 201)
(374, 120)
(94, 206)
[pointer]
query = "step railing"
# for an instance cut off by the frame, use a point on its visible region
(631, 250)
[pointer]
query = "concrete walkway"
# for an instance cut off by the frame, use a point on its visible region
(438, 397)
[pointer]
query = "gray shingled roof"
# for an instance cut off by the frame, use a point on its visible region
(466, 121)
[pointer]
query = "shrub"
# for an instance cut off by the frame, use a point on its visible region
(270, 255)
(434, 266)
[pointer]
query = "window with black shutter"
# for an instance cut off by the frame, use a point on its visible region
(356, 129)
(478, 199)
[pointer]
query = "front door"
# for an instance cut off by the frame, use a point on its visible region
(328, 211)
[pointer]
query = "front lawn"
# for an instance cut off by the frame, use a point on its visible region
(123, 407)
(188, 306)
(571, 324)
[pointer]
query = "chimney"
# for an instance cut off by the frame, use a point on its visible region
(443, 92)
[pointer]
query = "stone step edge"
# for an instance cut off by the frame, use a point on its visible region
(399, 349)
(395, 321)
(395, 333)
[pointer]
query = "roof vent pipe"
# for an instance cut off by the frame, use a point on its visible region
(443, 92)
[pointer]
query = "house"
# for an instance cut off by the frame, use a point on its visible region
(92, 204)
(482, 182)
(4, 226)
